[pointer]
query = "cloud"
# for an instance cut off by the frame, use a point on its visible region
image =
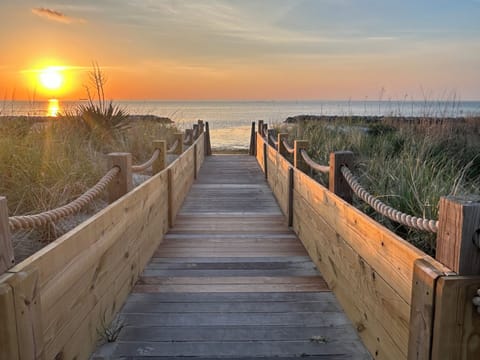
(56, 16)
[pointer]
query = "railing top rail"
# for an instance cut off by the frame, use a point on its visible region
(384, 209)
(315, 166)
(42, 219)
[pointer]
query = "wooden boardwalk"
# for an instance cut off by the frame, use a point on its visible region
(231, 280)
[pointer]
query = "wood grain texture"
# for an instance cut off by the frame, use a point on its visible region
(456, 333)
(8, 330)
(7, 259)
(231, 279)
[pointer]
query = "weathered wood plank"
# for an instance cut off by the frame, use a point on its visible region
(8, 330)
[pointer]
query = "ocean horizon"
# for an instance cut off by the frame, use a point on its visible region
(230, 121)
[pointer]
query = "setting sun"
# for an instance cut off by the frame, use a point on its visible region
(51, 78)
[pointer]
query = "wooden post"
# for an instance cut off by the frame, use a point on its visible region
(122, 183)
(290, 196)
(252, 140)
(456, 329)
(336, 182)
(458, 238)
(270, 137)
(265, 157)
(195, 162)
(170, 197)
(425, 276)
(195, 132)
(8, 329)
(265, 130)
(281, 148)
(189, 136)
(260, 127)
(7, 258)
(178, 136)
(298, 161)
(208, 145)
(28, 314)
(161, 162)
(201, 127)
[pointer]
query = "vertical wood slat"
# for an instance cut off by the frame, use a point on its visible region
(265, 159)
(252, 140)
(260, 127)
(422, 306)
(290, 195)
(122, 183)
(170, 197)
(208, 144)
(195, 162)
(281, 148)
(456, 332)
(298, 161)
(336, 183)
(26, 297)
(189, 136)
(8, 329)
(178, 137)
(7, 258)
(161, 162)
(459, 227)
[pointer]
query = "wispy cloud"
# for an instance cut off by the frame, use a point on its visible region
(55, 15)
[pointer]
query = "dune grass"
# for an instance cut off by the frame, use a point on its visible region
(47, 164)
(407, 166)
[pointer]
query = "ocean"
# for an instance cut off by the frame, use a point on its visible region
(230, 121)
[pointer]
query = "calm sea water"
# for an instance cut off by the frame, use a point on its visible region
(230, 121)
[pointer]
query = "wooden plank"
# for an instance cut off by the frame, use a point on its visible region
(380, 316)
(7, 259)
(332, 350)
(134, 307)
(231, 280)
(456, 333)
(422, 309)
(237, 333)
(231, 288)
(389, 255)
(246, 319)
(27, 303)
(8, 329)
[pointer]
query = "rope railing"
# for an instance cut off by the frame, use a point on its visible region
(273, 141)
(172, 149)
(42, 219)
(384, 209)
(320, 168)
(188, 138)
(147, 164)
(290, 149)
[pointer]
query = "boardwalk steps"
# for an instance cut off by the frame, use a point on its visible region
(231, 280)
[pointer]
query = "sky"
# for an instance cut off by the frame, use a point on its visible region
(244, 50)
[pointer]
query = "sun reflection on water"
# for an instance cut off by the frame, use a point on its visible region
(53, 107)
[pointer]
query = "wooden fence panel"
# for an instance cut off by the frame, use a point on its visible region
(182, 177)
(260, 155)
(8, 328)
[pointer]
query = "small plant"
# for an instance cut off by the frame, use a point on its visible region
(110, 332)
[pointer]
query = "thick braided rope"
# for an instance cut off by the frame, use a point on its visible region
(289, 149)
(321, 168)
(188, 138)
(146, 165)
(274, 142)
(385, 210)
(172, 149)
(37, 220)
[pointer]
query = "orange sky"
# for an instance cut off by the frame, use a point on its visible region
(274, 49)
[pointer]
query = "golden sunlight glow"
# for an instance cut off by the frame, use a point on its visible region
(51, 78)
(53, 107)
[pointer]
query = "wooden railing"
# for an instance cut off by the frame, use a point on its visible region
(54, 304)
(403, 303)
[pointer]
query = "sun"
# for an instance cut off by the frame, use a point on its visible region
(51, 78)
